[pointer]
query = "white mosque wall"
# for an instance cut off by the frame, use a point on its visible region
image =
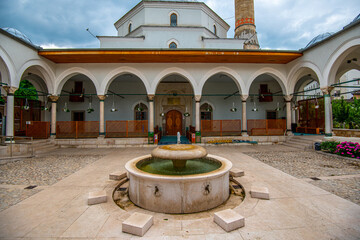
(158, 14)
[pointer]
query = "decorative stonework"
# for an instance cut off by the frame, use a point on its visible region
(326, 90)
(244, 98)
(288, 98)
(10, 90)
(151, 97)
(197, 98)
(53, 98)
(102, 97)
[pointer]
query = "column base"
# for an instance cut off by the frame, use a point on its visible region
(101, 136)
(289, 132)
(244, 133)
(328, 134)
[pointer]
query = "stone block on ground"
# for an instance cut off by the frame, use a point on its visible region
(260, 192)
(229, 220)
(97, 197)
(137, 224)
(117, 176)
(235, 172)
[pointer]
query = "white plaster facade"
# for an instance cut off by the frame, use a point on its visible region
(325, 61)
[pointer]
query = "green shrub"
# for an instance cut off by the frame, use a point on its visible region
(329, 146)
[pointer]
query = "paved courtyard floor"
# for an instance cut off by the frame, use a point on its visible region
(57, 209)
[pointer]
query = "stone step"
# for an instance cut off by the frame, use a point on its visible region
(45, 149)
(289, 144)
(301, 143)
(301, 140)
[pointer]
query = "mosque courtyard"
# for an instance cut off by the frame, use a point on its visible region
(312, 196)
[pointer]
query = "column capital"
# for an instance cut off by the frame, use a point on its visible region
(327, 90)
(288, 98)
(10, 90)
(151, 97)
(244, 97)
(53, 98)
(197, 98)
(102, 97)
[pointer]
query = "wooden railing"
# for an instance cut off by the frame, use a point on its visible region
(77, 129)
(266, 127)
(38, 129)
(220, 128)
(124, 129)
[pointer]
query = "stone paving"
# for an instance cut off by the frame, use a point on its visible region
(331, 172)
(296, 209)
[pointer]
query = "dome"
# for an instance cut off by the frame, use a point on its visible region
(318, 38)
(18, 34)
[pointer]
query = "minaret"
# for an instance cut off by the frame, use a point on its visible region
(245, 23)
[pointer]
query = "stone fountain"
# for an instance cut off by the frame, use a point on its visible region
(178, 179)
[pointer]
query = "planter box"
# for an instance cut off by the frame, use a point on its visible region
(346, 132)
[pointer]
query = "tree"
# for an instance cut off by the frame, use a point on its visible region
(340, 111)
(26, 90)
(354, 114)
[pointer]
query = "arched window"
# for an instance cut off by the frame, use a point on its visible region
(130, 26)
(215, 30)
(141, 111)
(172, 45)
(173, 20)
(206, 111)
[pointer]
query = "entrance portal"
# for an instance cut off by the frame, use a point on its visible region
(173, 122)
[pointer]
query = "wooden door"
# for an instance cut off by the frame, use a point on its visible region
(173, 122)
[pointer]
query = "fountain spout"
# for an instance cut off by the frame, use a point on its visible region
(178, 138)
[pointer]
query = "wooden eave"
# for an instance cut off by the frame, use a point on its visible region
(169, 56)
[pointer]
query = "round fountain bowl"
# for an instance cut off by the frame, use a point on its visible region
(179, 193)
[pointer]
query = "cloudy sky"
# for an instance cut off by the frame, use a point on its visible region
(281, 24)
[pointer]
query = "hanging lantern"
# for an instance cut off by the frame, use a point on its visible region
(316, 104)
(139, 108)
(208, 108)
(65, 109)
(26, 106)
(255, 109)
(186, 114)
(45, 108)
(90, 109)
(162, 114)
(113, 109)
(277, 107)
(233, 109)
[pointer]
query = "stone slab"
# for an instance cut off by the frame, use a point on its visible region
(97, 197)
(137, 224)
(117, 176)
(260, 192)
(229, 220)
(235, 172)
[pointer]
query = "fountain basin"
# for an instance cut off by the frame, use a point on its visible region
(178, 193)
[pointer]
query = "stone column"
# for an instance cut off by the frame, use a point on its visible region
(197, 119)
(328, 111)
(102, 115)
(288, 114)
(244, 132)
(53, 100)
(9, 111)
(151, 119)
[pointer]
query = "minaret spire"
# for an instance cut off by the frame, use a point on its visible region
(245, 23)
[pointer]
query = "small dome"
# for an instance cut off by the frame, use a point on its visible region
(17, 34)
(318, 38)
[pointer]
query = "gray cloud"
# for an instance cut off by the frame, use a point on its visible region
(281, 24)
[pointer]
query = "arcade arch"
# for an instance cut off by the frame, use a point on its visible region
(174, 104)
